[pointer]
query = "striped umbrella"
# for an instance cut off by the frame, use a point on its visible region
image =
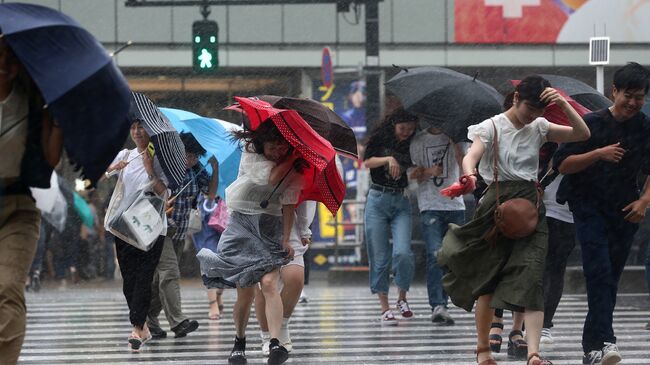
(168, 148)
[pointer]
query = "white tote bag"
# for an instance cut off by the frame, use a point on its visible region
(144, 219)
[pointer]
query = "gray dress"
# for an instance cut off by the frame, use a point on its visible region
(249, 248)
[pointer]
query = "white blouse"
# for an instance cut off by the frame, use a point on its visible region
(252, 187)
(518, 156)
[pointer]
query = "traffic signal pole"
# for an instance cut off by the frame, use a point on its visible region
(372, 69)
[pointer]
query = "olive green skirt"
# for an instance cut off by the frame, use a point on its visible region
(510, 270)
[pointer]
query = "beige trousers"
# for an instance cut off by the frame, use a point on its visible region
(19, 229)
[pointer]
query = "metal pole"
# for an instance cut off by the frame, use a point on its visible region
(372, 70)
(600, 79)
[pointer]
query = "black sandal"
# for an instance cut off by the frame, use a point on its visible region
(517, 349)
(496, 340)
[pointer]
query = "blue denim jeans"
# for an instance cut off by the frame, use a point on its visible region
(605, 238)
(434, 228)
(387, 213)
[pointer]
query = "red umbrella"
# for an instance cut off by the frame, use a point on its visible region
(554, 114)
(323, 182)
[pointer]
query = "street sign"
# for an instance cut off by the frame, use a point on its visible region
(327, 68)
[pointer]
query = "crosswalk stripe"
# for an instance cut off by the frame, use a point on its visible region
(341, 328)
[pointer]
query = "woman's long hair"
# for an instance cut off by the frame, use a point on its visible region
(385, 132)
(254, 139)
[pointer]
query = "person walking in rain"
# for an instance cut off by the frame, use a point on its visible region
(438, 164)
(388, 210)
(506, 273)
(166, 291)
(292, 276)
(257, 241)
(600, 186)
(31, 144)
(137, 169)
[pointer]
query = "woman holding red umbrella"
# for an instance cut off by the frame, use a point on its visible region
(252, 249)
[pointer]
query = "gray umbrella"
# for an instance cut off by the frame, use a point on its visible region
(446, 99)
(584, 94)
(169, 149)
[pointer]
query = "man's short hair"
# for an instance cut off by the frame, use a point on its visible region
(632, 76)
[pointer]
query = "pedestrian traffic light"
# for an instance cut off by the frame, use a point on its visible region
(205, 46)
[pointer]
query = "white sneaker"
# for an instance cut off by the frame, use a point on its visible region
(546, 338)
(611, 356)
(388, 318)
(266, 341)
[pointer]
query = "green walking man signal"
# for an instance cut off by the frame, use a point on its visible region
(205, 46)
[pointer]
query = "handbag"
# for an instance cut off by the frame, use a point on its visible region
(219, 218)
(515, 218)
(142, 221)
(195, 223)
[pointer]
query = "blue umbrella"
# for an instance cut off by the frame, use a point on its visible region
(213, 135)
(85, 91)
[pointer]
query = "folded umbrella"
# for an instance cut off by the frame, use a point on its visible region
(323, 182)
(446, 99)
(168, 147)
(584, 94)
(215, 137)
(85, 91)
(322, 119)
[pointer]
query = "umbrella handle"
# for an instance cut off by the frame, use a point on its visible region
(265, 203)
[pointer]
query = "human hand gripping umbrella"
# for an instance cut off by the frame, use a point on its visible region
(167, 145)
(323, 182)
(84, 90)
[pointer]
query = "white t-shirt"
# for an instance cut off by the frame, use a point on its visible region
(518, 156)
(252, 186)
(426, 151)
(553, 208)
(14, 112)
(135, 177)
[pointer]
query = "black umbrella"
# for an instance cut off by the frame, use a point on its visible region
(446, 99)
(584, 94)
(322, 119)
(169, 149)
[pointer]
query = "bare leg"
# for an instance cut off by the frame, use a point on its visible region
(273, 302)
(483, 317)
(383, 301)
(242, 309)
(293, 277)
(534, 323)
(402, 294)
(213, 299)
(260, 309)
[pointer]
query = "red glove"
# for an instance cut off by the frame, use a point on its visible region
(464, 185)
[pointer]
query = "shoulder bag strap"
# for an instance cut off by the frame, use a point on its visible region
(495, 160)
